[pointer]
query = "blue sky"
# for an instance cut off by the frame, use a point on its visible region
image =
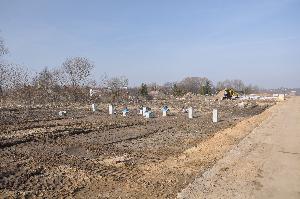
(257, 41)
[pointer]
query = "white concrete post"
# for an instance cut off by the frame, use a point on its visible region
(190, 111)
(93, 107)
(141, 112)
(62, 113)
(215, 115)
(164, 113)
(110, 109)
(144, 111)
(147, 114)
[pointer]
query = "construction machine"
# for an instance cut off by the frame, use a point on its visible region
(230, 93)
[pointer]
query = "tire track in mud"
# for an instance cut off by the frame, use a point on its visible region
(139, 136)
(59, 133)
(93, 170)
(112, 171)
(36, 124)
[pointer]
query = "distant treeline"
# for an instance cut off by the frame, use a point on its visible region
(71, 82)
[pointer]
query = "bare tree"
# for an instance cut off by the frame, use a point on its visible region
(220, 86)
(3, 66)
(3, 48)
(13, 78)
(44, 86)
(227, 83)
(116, 85)
(78, 69)
(153, 86)
(44, 79)
(251, 89)
(167, 88)
(236, 84)
(193, 84)
(4, 75)
(59, 76)
(19, 76)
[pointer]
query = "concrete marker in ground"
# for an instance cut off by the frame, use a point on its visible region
(62, 113)
(144, 111)
(165, 109)
(149, 114)
(215, 115)
(111, 109)
(125, 112)
(164, 113)
(140, 111)
(190, 112)
(93, 107)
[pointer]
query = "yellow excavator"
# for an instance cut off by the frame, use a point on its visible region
(230, 93)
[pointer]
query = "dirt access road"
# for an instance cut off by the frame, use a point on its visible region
(265, 164)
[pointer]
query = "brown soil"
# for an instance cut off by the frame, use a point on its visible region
(99, 156)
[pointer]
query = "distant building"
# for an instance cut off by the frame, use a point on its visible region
(293, 93)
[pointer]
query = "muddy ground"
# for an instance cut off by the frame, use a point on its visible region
(94, 155)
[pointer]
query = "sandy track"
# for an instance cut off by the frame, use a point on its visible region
(266, 164)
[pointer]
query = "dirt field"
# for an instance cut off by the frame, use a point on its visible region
(101, 156)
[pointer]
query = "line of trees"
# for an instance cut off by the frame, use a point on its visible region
(71, 82)
(67, 82)
(204, 86)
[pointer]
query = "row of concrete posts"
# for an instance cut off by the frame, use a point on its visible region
(147, 113)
